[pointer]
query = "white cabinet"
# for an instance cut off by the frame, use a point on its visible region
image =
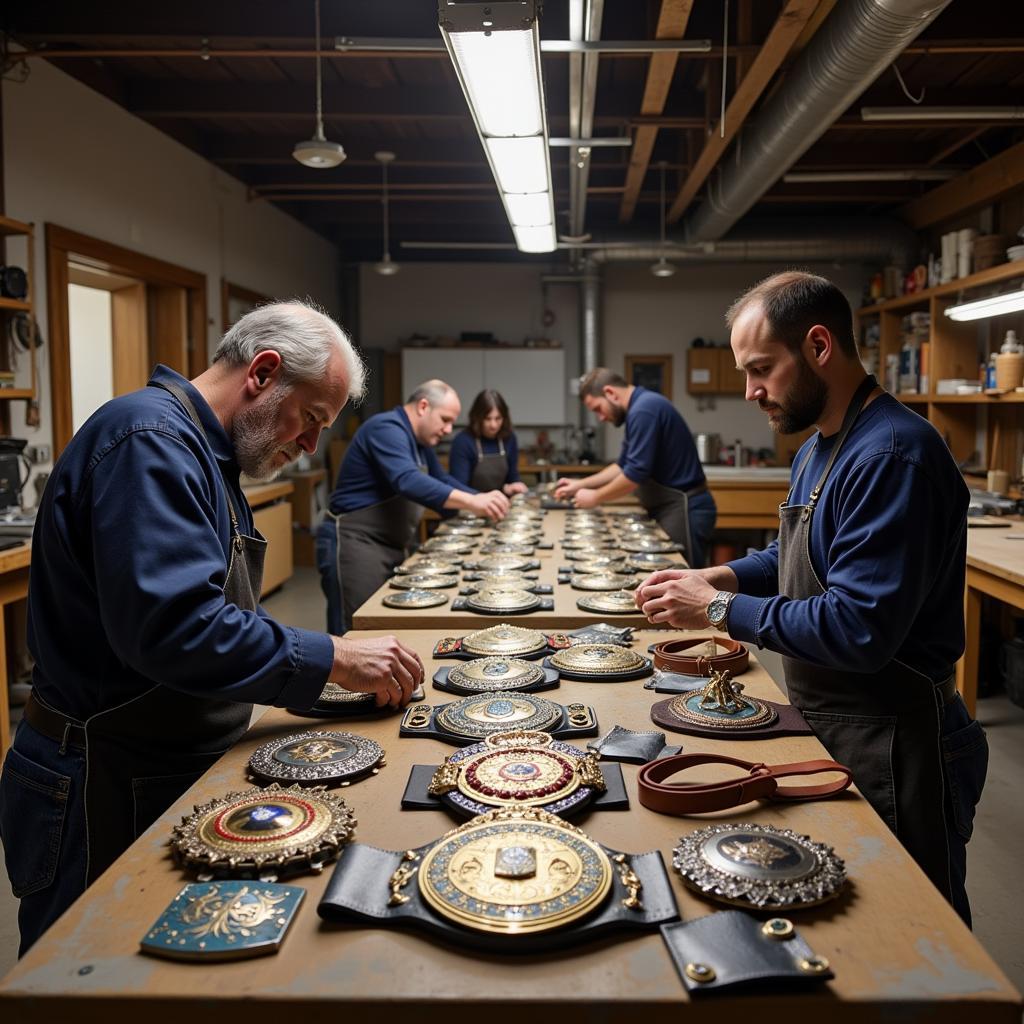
(532, 380)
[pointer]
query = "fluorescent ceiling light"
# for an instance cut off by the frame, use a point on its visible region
(520, 165)
(529, 210)
(994, 305)
(925, 174)
(502, 81)
(941, 113)
(536, 239)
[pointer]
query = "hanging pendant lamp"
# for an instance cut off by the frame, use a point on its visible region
(662, 268)
(386, 266)
(318, 151)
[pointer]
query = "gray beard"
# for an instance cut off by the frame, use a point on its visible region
(254, 437)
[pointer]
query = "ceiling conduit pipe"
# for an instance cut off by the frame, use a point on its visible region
(590, 325)
(856, 43)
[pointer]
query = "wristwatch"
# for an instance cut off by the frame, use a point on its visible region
(717, 610)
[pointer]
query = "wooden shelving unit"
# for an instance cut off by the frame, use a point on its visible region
(10, 228)
(955, 350)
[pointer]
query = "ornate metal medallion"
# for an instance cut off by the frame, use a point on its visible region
(599, 564)
(651, 561)
(260, 831)
(331, 758)
(722, 705)
(426, 566)
(458, 529)
(423, 581)
(602, 581)
(516, 870)
(334, 695)
(518, 767)
(505, 640)
(414, 599)
(500, 601)
(485, 674)
(497, 711)
(611, 602)
(599, 660)
(500, 577)
(655, 546)
(505, 561)
(588, 554)
(495, 548)
(769, 868)
(446, 546)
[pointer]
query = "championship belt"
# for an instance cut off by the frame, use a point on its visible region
(651, 561)
(265, 833)
(414, 599)
(519, 767)
(759, 866)
(444, 546)
(423, 581)
(522, 550)
(610, 602)
(720, 705)
(316, 758)
(494, 673)
(501, 577)
(499, 562)
(337, 702)
(499, 601)
(590, 553)
(648, 544)
(476, 717)
(427, 565)
(458, 529)
(602, 581)
(599, 663)
(597, 544)
(514, 878)
(599, 564)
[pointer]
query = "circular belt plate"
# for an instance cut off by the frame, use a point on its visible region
(646, 544)
(505, 561)
(331, 758)
(499, 577)
(638, 526)
(696, 709)
(769, 868)
(599, 563)
(443, 546)
(423, 581)
(334, 695)
(500, 601)
(414, 599)
(650, 561)
(602, 581)
(264, 828)
(505, 640)
(424, 566)
(519, 550)
(504, 777)
(458, 530)
(497, 711)
(515, 871)
(586, 548)
(485, 674)
(611, 602)
(599, 660)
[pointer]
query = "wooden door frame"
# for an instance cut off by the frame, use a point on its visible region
(229, 291)
(63, 245)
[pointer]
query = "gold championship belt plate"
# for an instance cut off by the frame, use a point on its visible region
(414, 599)
(609, 602)
(506, 640)
(584, 661)
(494, 711)
(427, 565)
(499, 601)
(486, 674)
(602, 581)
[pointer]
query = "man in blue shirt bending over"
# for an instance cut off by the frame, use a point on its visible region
(389, 473)
(658, 462)
(862, 593)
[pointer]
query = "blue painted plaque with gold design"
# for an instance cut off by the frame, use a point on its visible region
(227, 920)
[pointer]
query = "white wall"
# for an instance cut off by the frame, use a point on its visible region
(91, 338)
(73, 158)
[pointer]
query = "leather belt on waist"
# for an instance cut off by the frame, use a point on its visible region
(670, 655)
(947, 690)
(761, 783)
(66, 731)
(694, 491)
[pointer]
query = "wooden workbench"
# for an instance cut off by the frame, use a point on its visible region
(897, 949)
(14, 563)
(995, 567)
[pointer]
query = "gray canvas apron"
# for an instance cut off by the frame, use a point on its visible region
(670, 508)
(491, 471)
(371, 542)
(884, 725)
(143, 754)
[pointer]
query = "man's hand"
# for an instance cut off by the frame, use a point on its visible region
(381, 666)
(585, 497)
(676, 597)
(517, 488)
(566, 488)
(490, 504)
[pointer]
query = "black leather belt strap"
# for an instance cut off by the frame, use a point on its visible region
(947, 690)
(66, 731)
(694, 491)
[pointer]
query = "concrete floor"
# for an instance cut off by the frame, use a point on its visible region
(994, 854)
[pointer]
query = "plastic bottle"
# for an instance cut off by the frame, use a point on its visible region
(990, 373)
(910, 364)
(1011, 345)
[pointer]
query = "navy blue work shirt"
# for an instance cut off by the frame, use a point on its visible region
(385, 459)
(658, 444)
(463, 457)
(129, 558)
(889, 544)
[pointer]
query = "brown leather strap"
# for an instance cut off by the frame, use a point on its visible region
(760, 783)
(671, 656)
(66, 731)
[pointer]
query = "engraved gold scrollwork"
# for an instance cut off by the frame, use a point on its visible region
(445, 779)
(211, 914)
(630, 882)
(400, 878)
(589, 772)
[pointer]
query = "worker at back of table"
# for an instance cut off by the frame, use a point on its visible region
(658, 462)
(486, 454)
(390, 473)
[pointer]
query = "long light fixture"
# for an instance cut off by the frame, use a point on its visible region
(318, 151)
(921, 174)
(495, 48)
(662, 268)
(994, 305)
(386, 266)
(942, 113)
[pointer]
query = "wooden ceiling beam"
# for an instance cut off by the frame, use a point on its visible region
(958, 143)
(672, 21)
(786, 30)
(983, 184)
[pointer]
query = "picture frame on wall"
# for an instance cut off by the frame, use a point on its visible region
(651, 372)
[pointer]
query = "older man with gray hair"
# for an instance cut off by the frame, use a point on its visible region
(389, 473)
(149, 643)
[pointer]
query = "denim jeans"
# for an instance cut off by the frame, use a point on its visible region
(42, 826)
(330, 584)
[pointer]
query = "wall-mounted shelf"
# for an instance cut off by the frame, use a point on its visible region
(906, 303)
(19, 305)
(11, 228)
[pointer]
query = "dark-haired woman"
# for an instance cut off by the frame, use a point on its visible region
(486, 454)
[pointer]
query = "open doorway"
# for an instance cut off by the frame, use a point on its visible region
(113, 315)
